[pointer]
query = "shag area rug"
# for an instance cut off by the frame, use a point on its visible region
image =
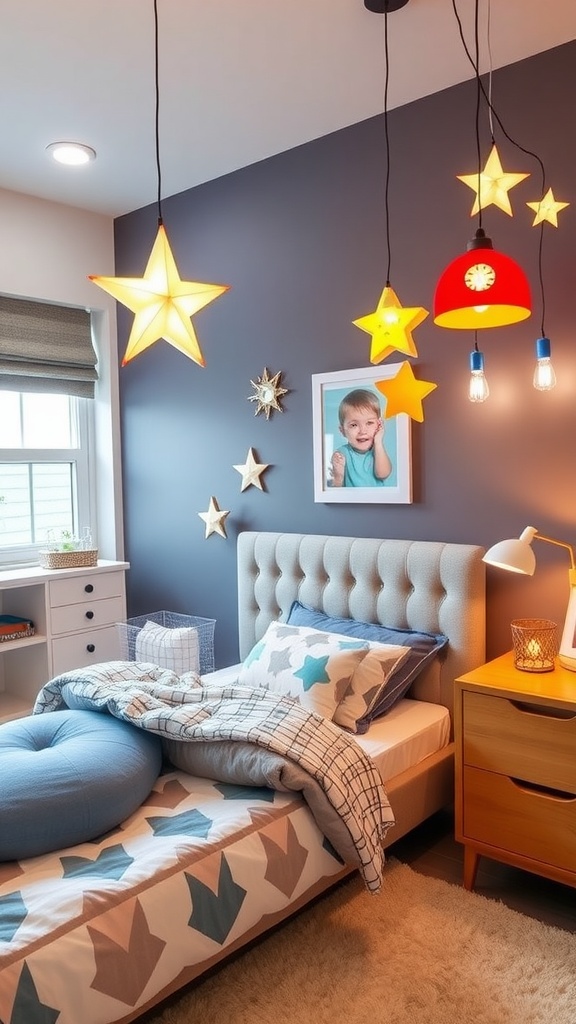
(420, 952)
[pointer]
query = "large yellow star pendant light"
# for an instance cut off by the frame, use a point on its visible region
(390, 324)
(547, 209)
(161, 301)
(405, 393)
(492, 185)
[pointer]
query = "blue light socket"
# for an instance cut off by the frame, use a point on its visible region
(477, 360)
(543, 348)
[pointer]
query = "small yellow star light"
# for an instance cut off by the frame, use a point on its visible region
(547, 209)
(391, 326)
(492, 184)
(267, 392)
(251, 471)
(163, 304)
(214, 519)
(404, 393)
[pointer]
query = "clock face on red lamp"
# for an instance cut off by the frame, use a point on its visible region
(481, 288)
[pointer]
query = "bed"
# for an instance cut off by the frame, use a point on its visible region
(204, 865)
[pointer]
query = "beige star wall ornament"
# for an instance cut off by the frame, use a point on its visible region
(267, 392)
(214, 519)
(251, 471)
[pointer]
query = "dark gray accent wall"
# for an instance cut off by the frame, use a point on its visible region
(301, 239)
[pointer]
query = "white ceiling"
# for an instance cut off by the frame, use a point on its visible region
(240, 80)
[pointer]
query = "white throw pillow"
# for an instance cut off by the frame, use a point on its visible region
(369, 683)
(175, 649)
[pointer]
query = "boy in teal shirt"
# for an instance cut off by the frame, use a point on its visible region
(363, 461)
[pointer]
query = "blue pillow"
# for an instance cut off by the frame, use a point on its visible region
(425, 647)
(69, 777)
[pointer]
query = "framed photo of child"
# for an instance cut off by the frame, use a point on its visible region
(359, 454)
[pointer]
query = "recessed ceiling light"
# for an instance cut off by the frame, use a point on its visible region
(71, 153)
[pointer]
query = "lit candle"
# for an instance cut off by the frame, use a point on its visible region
(533, 649)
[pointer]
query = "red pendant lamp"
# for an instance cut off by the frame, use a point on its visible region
(481, 288)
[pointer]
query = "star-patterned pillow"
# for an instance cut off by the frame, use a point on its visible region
(314, 667)
(338, 676)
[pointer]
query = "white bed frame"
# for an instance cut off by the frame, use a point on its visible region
(422, 585)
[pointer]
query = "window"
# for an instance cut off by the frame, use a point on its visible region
(45, 483)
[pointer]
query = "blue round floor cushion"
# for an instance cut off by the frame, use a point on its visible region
(67, 777)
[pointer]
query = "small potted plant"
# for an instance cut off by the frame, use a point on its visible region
(68, 551)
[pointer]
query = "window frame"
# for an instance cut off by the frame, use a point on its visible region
(83, 458)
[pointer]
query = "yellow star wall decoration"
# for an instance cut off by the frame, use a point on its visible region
(162, 303)
(267, 393)
(404, 393)
(547, 209)
(214, 519)
(251, 471)
(391, 326)
(492, 184)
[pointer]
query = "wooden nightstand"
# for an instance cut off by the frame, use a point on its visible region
(515, 758)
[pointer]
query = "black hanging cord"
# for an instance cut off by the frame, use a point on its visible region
(481, 89)
(157, 118)
(387, 137)
(478, 95)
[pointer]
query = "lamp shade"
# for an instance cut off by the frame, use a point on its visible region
(481, 288)
(514, 554)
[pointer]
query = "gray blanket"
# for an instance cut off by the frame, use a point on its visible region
(300, 750)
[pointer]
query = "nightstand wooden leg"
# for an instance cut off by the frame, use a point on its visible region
(471, 859)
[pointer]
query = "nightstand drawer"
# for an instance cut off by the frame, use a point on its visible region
(530, 823)
(524, 741)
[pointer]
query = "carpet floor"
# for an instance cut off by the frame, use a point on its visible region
(423, 951)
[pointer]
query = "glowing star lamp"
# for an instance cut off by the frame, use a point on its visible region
(161, 301)
(391, 326)
(516, 555)
(481, 288)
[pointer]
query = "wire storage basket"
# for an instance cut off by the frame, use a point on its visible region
(183, 643)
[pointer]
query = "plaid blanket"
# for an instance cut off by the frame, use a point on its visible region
(182, 708)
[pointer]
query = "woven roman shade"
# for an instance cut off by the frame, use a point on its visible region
(46, 348)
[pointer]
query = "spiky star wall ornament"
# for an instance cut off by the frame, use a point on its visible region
(547, 209)
(251, 471)
(214, 519)
(267, 393)
(492, 185)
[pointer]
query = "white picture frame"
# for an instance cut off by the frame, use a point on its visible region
(328, 391)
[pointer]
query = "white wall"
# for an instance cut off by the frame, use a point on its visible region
(47, 251)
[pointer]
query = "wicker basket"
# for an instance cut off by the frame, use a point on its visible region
(68, 559)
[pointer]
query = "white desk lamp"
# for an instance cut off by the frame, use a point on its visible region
(516, 555)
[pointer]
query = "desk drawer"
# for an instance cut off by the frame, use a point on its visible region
(70, 652)
(72, 617)
(520, 740)
(527, 822)
(92, 586)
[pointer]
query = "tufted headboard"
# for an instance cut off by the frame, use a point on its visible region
(425, 585)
